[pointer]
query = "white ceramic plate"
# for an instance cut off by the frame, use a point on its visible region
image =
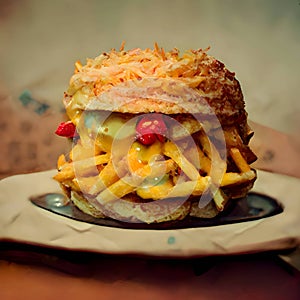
(21, 221)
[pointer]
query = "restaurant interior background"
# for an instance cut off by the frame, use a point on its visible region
(41, 40)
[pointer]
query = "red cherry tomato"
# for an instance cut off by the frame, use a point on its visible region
(147, 139)
(66, 129)
(160, 137)
(150, 128)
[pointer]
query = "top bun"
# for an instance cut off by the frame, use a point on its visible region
(143, 81)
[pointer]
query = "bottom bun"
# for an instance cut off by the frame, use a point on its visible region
(84, 205)
(171, 210)
(133, 210)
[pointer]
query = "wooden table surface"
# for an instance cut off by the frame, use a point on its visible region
(31, 272)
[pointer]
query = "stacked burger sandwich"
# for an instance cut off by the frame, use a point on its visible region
(157, 136)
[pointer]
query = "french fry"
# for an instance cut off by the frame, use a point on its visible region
(172, 151)
(201, 185)
(66, 172)
(233, 138)
(118, 189)
(168, 190)
(155, 192)
(220, 199)
(107, 177)
(205, 163)
(239, 160)
(83, 167)
(211, 158)
(88, 166)
(61, 161)
(204, 141)
(84, 184)
(236, 178)
(194, 188)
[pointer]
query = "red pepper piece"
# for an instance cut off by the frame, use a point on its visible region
(66, 129)
(150, 128)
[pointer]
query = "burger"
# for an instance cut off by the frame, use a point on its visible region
(156, 136)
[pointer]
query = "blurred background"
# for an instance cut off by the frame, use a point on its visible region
(40, 41)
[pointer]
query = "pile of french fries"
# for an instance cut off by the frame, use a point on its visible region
(184, 172)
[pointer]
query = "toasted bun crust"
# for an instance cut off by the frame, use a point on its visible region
(143, 81)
